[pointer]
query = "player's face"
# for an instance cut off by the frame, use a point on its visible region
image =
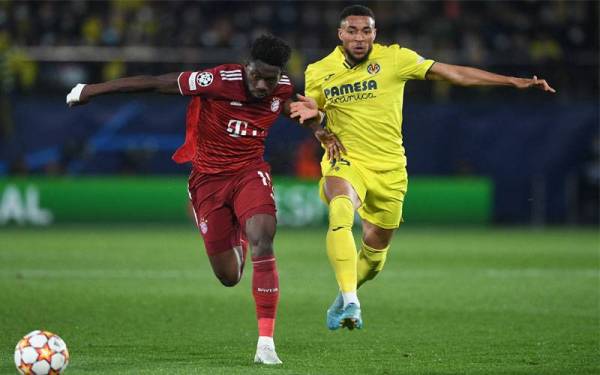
(262, 78)
(357, 34)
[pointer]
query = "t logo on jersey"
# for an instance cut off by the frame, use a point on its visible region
(239, 128)
(373, 68)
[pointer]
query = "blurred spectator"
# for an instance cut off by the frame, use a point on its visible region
(544, 48)
(113, 70)
(6, 127)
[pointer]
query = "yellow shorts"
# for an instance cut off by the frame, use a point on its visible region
(381, 192)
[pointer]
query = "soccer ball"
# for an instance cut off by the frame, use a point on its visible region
(41, 353)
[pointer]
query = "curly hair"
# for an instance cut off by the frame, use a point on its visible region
(271, 50)
(356, 10)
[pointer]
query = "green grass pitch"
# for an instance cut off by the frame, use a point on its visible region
(142, 300)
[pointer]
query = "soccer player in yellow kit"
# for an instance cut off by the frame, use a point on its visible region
(359, 87)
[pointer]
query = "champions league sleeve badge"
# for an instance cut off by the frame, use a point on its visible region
(204, 79)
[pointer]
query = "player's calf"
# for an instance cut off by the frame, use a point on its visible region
(260, 230)
(370, 263)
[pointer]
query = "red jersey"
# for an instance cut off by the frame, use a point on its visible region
(226, 127)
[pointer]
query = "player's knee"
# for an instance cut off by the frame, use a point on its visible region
(378, 238)
(228, 280)
(380, 243)
(341, 213)
(262, 246)
(229, 275)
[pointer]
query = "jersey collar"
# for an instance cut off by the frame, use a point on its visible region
(344, 60)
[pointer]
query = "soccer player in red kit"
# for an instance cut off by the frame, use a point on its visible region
(228, 118)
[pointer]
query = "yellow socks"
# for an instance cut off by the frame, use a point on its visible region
(351, 270)
(370, 263)
(341, 249)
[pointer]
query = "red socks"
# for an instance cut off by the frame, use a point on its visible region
(265, 289)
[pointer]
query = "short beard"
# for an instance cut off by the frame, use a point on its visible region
(356, 61)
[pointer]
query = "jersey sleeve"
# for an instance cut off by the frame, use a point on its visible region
(410, 65)
(203, 83)
(312, 87)
(286, 87)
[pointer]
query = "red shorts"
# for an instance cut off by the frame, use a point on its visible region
(223, 203)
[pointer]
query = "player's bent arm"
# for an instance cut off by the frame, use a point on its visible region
(467, 76)
(164, 84)
(305, 108)
(306, 112)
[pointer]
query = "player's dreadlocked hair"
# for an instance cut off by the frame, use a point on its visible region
(356, 10)
(271, 50)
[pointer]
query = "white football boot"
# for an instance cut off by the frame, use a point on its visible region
(265, 352)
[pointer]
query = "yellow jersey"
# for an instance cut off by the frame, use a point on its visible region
(363, 103)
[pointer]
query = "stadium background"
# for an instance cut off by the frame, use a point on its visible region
(539, 152)
(507, 284)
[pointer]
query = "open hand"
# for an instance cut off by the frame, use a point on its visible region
(332, 144)
(535, 82)
(304, 109)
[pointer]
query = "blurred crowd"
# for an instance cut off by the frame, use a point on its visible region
(545, 29)
(520, 34)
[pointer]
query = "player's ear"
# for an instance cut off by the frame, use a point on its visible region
(340, 31)
(374, 33)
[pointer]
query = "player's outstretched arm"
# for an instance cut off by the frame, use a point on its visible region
(164, 84)
(467, 76)
(307, 113)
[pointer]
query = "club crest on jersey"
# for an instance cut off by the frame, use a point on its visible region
(373, 68)
(203, 224)
(275, 104)
(204, 79)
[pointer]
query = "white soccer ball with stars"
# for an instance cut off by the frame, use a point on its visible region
(41, 353)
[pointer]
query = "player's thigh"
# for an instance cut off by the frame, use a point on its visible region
(384, 202)
(220, 231)
(253, 196)
(218, 225)
(341, 178)
(215, 219)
